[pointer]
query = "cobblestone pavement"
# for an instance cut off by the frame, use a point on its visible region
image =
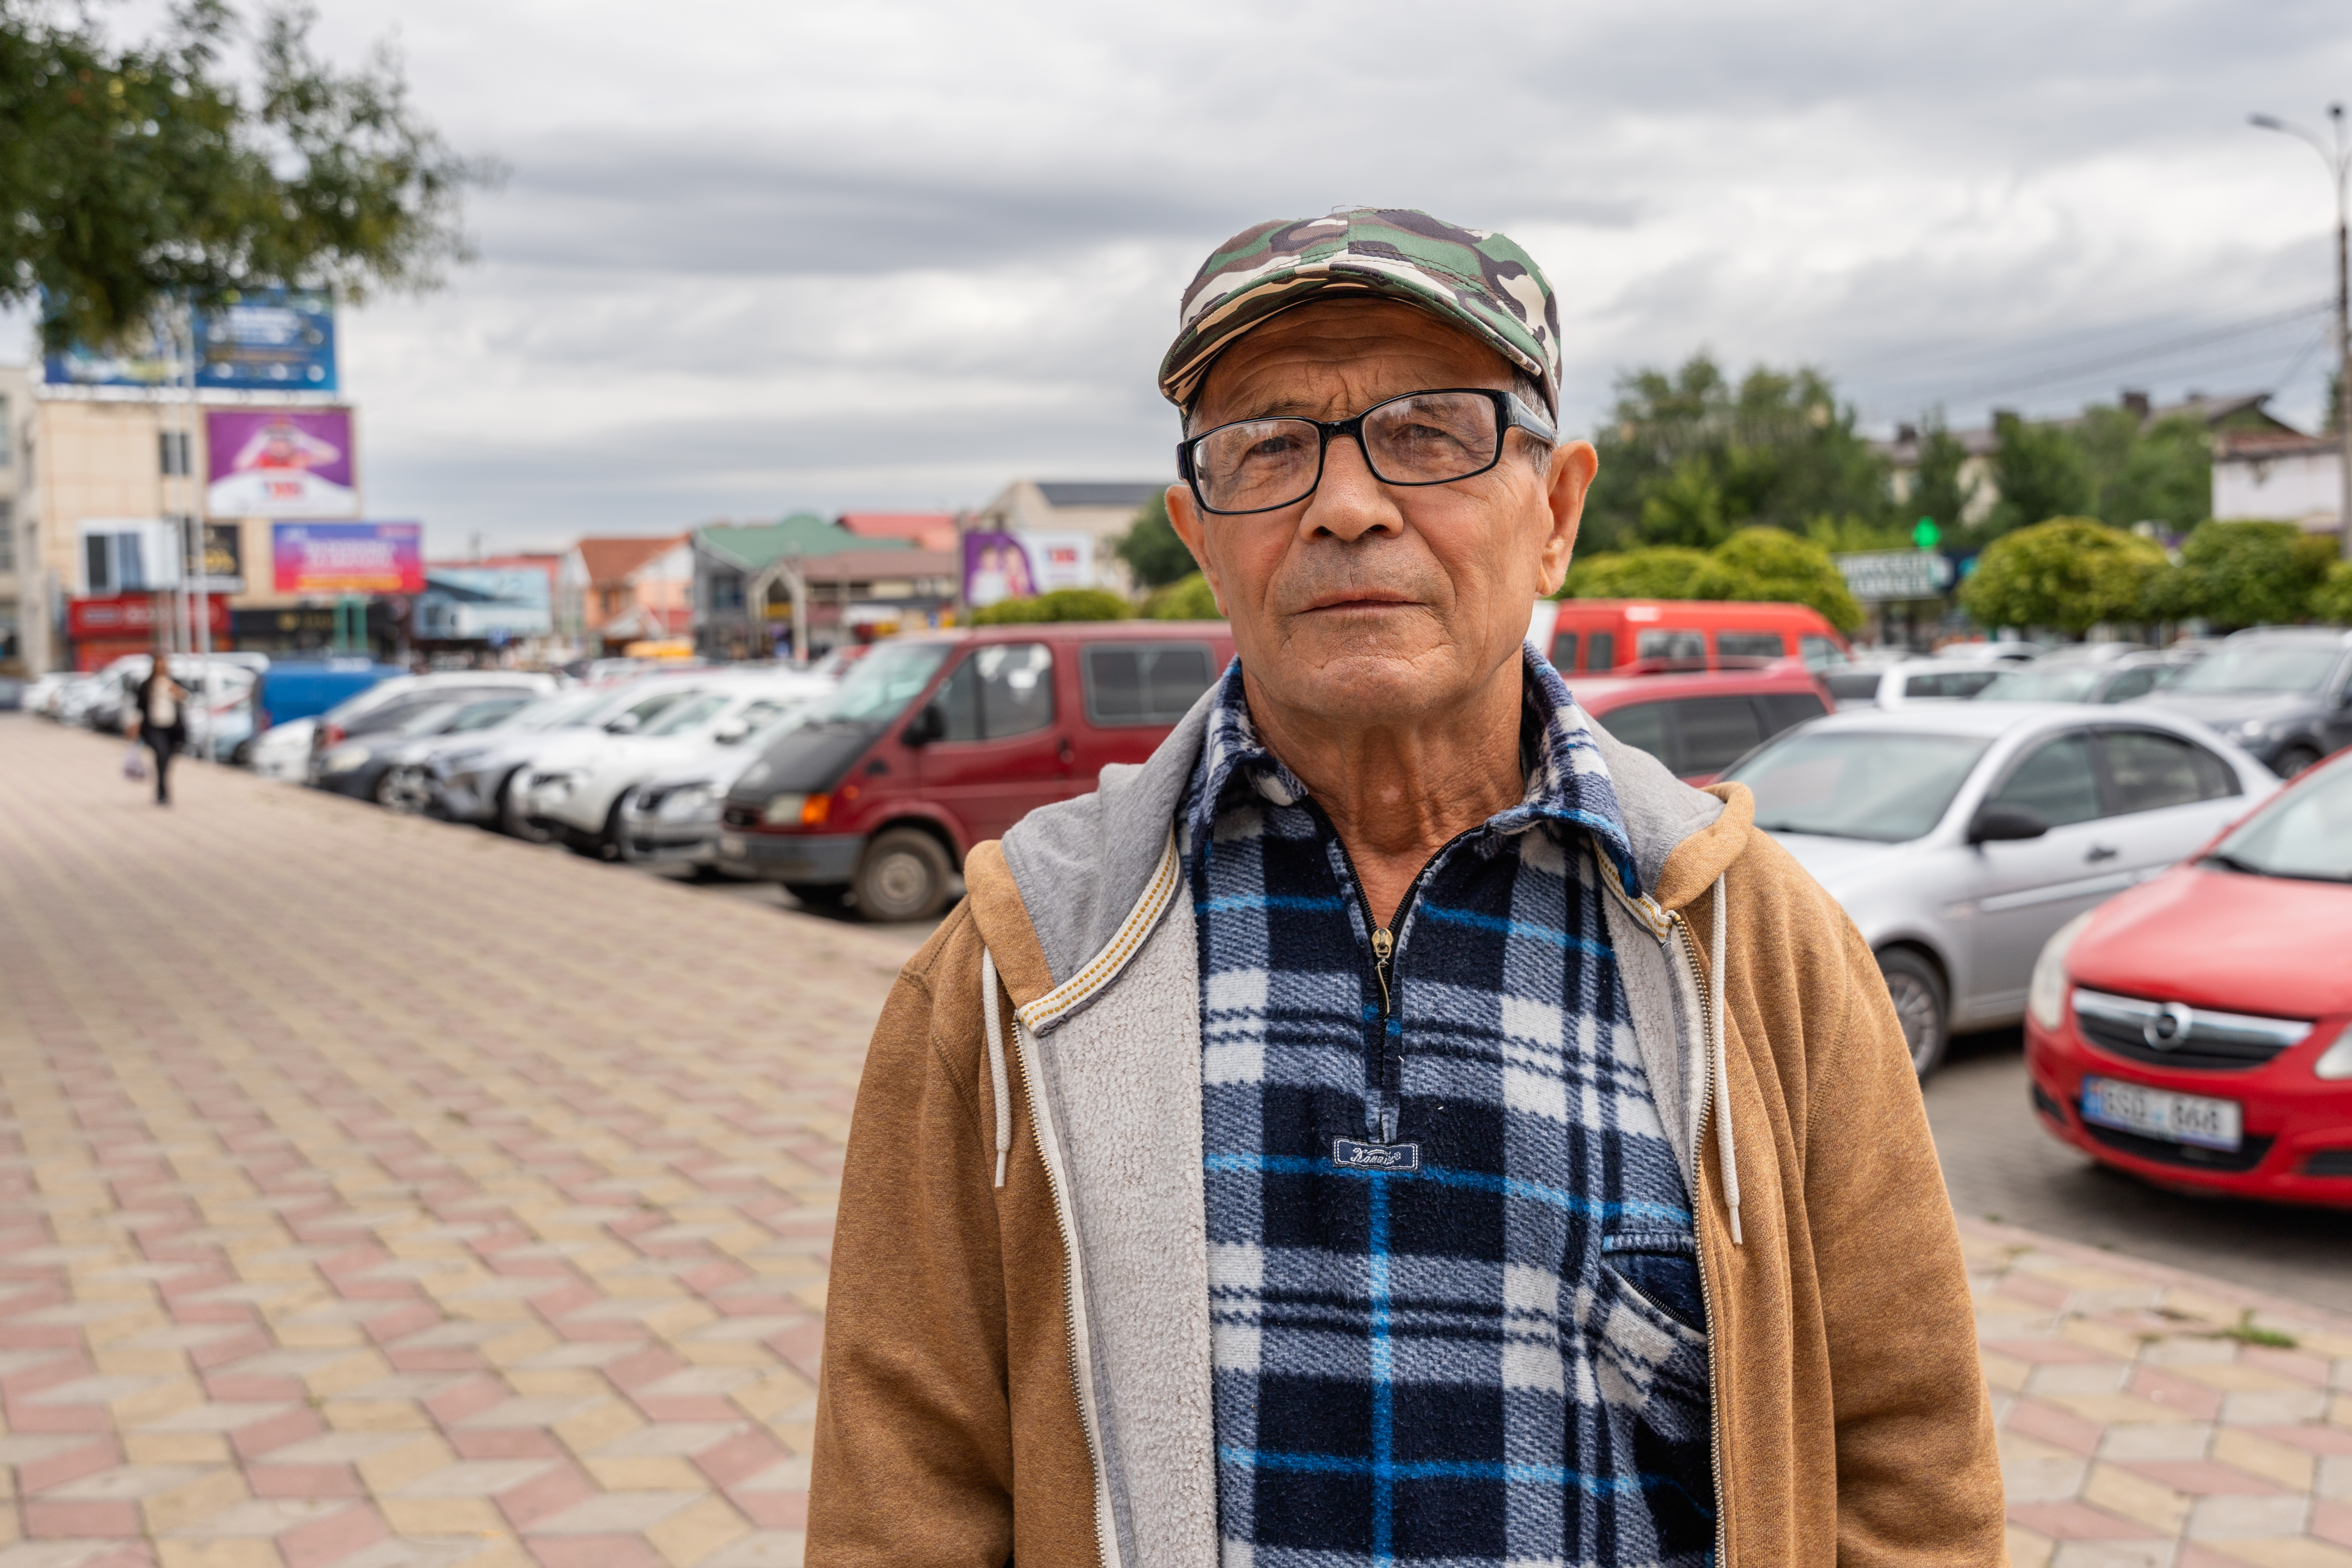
(379, 1195)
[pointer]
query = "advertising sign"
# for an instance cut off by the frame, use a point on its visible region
(279, 462)
(1060, 560)
(132, 616)
(268, 340)
(222, 570)
(1878, 575)
(349, 557)
(995, 567)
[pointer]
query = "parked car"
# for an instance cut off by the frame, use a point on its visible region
(1958, 836)
(1597, 636)
(936, 743)
(2057, 678)
(1700, 724)
(2197, 1031)
(2001, 650)
(473, 779)
(363, 765)
(1910, 681)
(296, 689)
(576, 793)
(672, 818)
(2285, 693)
(389, 704)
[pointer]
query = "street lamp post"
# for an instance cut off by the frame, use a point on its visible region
(2337, 153)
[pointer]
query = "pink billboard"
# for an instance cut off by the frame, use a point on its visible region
(349, 557)
(279, 462)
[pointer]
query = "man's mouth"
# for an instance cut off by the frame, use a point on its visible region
(1357, 600)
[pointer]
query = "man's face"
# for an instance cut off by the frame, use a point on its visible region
(1369, 603)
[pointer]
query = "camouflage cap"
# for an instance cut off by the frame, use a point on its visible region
(1472, 278)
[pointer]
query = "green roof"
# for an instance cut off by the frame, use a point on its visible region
(753, 546)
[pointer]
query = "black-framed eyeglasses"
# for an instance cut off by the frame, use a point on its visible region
(1420, 438)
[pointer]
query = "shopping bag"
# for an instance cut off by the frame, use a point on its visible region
(135, 763)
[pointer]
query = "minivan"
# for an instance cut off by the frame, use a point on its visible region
(1598, 635)
(939, 742)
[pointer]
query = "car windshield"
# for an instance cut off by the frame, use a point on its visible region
(2305, 832)
(687, 715)
(556, 712)
(1848, 783)
(2074, 684)
(2260, 667)
(428, 720)
(484, 715)
(879, 686)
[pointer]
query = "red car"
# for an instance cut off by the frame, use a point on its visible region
(1699, 724)
(2197, 1030)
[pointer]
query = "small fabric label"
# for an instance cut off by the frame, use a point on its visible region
(1350, 1155)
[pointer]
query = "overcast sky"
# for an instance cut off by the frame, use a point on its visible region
(756, 258)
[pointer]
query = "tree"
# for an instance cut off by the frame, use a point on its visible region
(2040, 473)
(2332, 600)
(1756, 564)
(1186, 599)
(2069, 573)
(1151, 548)
(1660, 572)
(1061, 604)
(2245, 575)
(1939, 493)
(138, 177)
(1686, 457)
(2162, 473)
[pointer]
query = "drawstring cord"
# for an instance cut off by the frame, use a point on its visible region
(1722, 1074)
(999, 1084)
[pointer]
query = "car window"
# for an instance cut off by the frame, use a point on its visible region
(756, 716)
(879, 686)
(1749, 645)
(484, 715)
(2150, 771)
(1819, 651)
(1955, 683)
(2277, 667)
(2305, 832)
(1889, 788)
(1600, 651)
(2055, 782)
(999, 691)
(1643, 726)
(644, 710)
(1853, 685)
(2131, 683)
(1143, 683)
(395, 714)
(1787, 709)
(2060, 685)
(1672, 647)
(686, 713)
(1713, 732)
(1563, 650)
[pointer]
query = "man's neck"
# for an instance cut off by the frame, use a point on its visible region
(1399, 792)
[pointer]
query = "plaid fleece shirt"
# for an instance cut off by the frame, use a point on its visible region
(1452, 1270)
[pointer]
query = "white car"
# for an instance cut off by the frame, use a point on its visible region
(575, 790)
(282, 752)
(1958, 836)
(673, 817)
(1912, 680)
(467, 778)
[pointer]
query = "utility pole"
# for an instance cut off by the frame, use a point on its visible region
(2337, 153)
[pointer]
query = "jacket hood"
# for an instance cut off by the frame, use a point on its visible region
(1060, 893)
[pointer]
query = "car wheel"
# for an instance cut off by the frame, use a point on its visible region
(511, 813)
(403, 790)
(2293, 760)
(1917, 991)
(904, 876)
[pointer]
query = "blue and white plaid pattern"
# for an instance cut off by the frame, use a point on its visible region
(1478, 1361)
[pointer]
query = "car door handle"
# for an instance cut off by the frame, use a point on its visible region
(2102, 852)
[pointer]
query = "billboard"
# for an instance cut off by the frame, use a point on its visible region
(995, 567)
(348, 557)
(279, 462)
(271, 340)
(1060, 560)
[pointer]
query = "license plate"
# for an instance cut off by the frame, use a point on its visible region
(2157, 1113)
(731, 845)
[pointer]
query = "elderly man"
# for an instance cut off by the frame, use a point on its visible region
(1397, 1124)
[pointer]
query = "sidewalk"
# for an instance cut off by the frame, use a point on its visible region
(382, 1195)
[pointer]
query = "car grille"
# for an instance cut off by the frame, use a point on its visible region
(2169, 1033)
(740, 815)
(2244, 1157)
(2329, 1163)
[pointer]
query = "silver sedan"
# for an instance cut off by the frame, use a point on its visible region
(1959, 836)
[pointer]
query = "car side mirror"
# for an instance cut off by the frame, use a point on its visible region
(730, 732)
(621, 725)
(2006, 824)
(925, 727)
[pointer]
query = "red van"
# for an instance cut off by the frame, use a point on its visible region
(1601, 634)
(934, 743)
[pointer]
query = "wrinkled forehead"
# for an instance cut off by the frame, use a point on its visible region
(1331, 357)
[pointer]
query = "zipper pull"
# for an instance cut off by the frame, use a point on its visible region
(1383, 944)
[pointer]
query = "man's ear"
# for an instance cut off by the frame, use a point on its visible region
(1185, 518)
(1572, 469)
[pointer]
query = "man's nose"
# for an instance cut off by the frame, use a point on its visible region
(1350, 502)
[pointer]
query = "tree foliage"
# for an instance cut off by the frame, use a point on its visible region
(1755, 563)
(1687, 457)
(2332, 600)
(1061, 604)
(2040, 472)
(133, 176)
(1939, 491)
(2245, 575)
(1189, 598)
(2068, 574)
(1151, 548)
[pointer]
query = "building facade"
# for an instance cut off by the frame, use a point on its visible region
(2280, 477)
(1104, 511)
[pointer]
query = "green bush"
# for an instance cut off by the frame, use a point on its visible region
(1659, 572)
(1186, 599)
(2332, 600)
(1755, 563)
(2245, 575)
(2067, 575)
(1061, 604)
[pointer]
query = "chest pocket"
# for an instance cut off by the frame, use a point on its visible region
(1661, 1267)
(1642, 1315)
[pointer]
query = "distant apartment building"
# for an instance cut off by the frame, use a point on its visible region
(2282, 476)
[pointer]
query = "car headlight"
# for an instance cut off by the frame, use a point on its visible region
(2336, 1061)
(2046, 996)
(684, 801)
(342, 759)
(797, 810)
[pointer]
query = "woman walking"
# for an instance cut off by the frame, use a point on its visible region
(159, 717)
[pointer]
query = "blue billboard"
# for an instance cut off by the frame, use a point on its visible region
(270, 340)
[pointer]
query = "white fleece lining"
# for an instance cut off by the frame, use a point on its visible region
(998, 1088)
(1107, 965)
(1723, 1068)
(1123, 1078)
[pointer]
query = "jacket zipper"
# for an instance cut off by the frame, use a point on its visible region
(1106, 1549)
(1384, 945)
(1706, 1300)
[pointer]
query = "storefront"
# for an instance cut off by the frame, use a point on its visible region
(104, 630)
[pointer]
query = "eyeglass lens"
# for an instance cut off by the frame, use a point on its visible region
(1424, 440)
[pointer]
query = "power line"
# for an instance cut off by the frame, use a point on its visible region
(2060, 373)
